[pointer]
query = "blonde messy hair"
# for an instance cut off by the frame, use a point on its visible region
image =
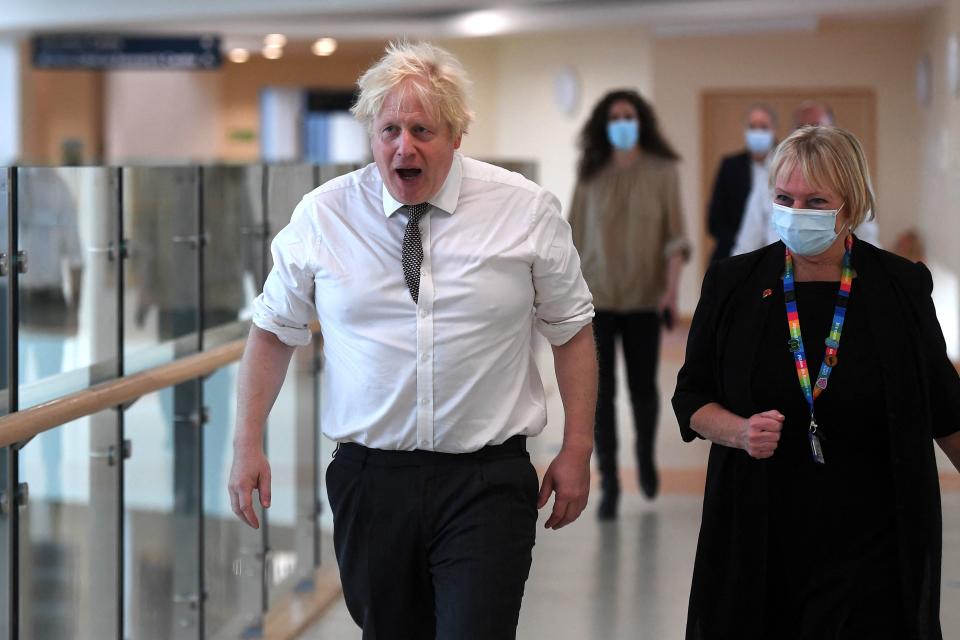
(437, 78)
(829, 158)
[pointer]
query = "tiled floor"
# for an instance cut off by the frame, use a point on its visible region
(630, 579)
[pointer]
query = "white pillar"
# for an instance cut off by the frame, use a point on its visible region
(281, 122)
(10, 122)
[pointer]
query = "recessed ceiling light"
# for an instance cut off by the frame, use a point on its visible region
(272, 53)
(238, 55)
(484, 23)
(324, 46)
(275, 40)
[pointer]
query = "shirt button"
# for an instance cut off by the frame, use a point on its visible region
(424, 313)
(424, 357)
(424, 401)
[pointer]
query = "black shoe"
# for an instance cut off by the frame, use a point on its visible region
(609, 501)
(649, 479)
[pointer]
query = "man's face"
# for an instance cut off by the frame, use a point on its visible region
(813, 116)
(412, 149)
(759, 119)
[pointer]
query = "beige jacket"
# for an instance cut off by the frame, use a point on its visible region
(627, 223)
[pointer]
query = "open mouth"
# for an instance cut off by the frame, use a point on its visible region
(408, 174)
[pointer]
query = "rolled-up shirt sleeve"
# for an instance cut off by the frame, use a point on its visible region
(286, 306)
(562, 301)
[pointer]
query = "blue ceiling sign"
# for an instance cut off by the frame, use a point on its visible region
(118, 51)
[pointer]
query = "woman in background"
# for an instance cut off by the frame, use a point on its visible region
(628, 227)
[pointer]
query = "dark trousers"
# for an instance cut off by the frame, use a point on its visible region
(433, 545)
(640, 335)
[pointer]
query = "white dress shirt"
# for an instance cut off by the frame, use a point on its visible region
(455, 371)
(756, 228)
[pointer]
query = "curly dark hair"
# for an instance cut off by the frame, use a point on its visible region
(596, 148)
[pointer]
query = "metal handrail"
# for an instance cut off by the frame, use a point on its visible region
(27, 423)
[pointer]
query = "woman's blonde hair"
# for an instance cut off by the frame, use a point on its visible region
(829, 158)
(439, 81)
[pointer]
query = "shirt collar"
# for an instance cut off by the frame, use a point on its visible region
(446, 199)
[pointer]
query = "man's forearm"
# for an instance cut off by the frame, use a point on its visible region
(262, 370)
(575, 364)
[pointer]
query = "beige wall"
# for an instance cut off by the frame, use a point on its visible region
(161, 116)
(530, 125)
(57, 106)
(939, 220)
(837, 55)
(479, 58)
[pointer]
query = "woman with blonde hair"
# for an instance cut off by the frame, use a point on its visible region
(818, 369)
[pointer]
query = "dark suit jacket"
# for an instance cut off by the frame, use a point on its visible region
(922, 402)
(730, 190)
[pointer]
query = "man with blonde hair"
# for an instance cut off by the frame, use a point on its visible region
(427, 271)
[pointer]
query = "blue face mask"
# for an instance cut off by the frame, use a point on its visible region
(623, 134)
(806, 232)
(759, 140)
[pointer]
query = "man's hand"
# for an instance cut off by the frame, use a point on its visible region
(264, 364)
(250, 471)
(761, 433)
(569, 477)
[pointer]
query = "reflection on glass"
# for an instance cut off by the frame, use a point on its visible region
(232, 550)
(174, 499)
(291, 445)
(4, 224)
(67, 340)
(161, 546)
(161, 308)
(286, 186)
(66, 223)
(161, 299)
(68, 533)
(5, 453)
(5, 576)
(233, 227)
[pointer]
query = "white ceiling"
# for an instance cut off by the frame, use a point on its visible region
(244, 22)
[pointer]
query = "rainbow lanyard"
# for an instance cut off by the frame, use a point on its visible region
(833, 340)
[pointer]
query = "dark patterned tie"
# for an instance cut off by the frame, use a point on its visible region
(412, 254)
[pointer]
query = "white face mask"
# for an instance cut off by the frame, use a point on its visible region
(806, 232)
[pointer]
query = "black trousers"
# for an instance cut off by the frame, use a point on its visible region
(640, 336)
(433, 545)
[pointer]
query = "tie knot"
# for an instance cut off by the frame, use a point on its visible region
(417, 210)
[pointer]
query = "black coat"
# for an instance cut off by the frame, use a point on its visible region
(725, 212)
(726, 598)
